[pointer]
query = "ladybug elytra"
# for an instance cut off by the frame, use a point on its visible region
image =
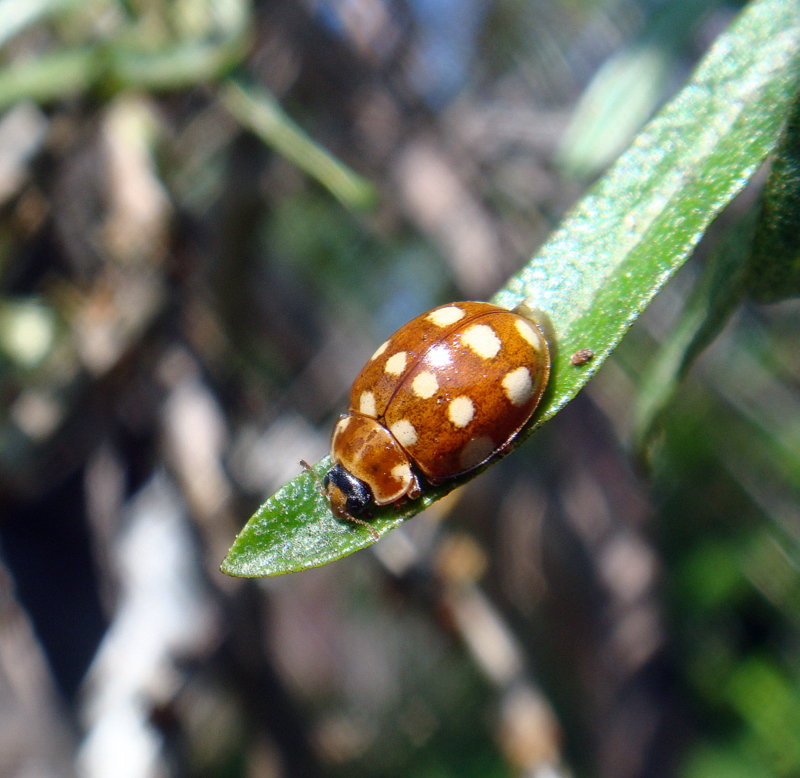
(445, 393)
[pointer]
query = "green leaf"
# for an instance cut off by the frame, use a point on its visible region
(774, 268)
(126, 58)
(714, 298)
(50, 76)
(605, 263)
(626, 90)
(260, 112)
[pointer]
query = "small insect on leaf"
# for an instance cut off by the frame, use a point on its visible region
(445, 393)
(582, 356)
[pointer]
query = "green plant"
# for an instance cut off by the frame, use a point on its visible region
(606, 262)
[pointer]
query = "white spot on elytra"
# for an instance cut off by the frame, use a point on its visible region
(366, 403)
(402, 473)
(528, 333)
(518, 386)
(481, 338)
(404, 432)
(424, 385)
(460, 411)
(475, 452)
(396, 363)
(379, 350)
(443, 317)
(439, 355)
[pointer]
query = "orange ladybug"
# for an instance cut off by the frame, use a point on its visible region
(448, 391)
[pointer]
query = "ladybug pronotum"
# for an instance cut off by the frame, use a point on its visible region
(448, 391)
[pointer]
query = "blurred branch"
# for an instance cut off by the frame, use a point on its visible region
(527, 730)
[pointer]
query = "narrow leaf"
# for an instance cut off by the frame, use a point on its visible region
(627, 89)
(714, 298)
(260, 112)
(608, 259)
(774, 269)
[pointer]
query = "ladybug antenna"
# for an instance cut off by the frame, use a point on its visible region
(314, 475)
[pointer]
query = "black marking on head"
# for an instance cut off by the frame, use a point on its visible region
(358, 495)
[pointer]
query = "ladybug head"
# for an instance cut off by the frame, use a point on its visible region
(349, 496)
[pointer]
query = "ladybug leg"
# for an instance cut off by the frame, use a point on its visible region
(362, 523)
(504, 449)
(415, 489)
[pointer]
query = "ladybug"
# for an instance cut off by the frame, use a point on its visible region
(448, 391)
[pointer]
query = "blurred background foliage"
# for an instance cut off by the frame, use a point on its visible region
(210, 213)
